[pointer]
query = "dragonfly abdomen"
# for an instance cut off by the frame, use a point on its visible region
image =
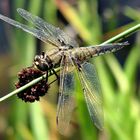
(109, 48)
(83, 53)
(92, 51)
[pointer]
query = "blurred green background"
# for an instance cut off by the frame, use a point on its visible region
(89, 22)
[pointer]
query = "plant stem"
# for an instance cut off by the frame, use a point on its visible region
(122, 35)
(23, 87)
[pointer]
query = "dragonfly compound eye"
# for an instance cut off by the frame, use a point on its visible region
(40, 63)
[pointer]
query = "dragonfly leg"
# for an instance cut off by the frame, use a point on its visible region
(46, 76)
(43, 54)
(54, 72)
(78, 63)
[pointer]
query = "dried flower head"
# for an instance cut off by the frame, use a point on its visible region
(34, 92)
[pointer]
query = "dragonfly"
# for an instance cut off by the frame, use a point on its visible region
(67, 55)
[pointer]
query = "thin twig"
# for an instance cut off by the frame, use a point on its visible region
(122, 35)
(33, 82)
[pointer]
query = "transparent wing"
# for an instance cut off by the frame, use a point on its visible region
(92, 93)
(35, 32)
(57, 34)
(66, 102)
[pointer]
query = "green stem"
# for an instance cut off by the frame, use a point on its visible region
(113, 39)
(122, 35)
(23, 87)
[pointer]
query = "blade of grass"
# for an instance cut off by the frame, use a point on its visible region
(38, 122)
(71, 14)
(133, 58)
(132, 13)
(118, 73)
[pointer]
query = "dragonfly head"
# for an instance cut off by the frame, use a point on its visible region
(41, 63)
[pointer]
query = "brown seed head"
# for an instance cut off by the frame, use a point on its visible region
(34, 92)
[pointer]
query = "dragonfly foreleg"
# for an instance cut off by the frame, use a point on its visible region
(54, 72)
(46, 76)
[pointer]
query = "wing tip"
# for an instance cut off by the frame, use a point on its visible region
(62, 129)
(20, 10)
(99, 125)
